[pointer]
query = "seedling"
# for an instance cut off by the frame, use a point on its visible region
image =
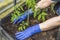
(52, 8)
(31, 4)
(23, 26)
(16, 13)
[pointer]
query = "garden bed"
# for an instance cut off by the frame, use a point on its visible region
(12, 29)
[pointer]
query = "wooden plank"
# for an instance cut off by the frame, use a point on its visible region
(10, 10)
(5, 2)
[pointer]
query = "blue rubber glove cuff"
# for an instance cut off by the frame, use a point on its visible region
(23, 17)
(28, 32)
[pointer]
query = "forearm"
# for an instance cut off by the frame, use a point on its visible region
(50, 24)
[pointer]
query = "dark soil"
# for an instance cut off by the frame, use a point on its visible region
(48, 35)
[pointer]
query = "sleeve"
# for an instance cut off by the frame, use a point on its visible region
(56, 0)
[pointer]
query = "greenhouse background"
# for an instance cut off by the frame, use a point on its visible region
(7, 8)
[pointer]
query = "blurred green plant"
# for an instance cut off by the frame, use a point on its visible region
(16, 13)
(32, 4)
(38, 13)
(23, 26)
(42, 16)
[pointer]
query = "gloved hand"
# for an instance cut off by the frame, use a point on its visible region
(28, 32)
(23, 17)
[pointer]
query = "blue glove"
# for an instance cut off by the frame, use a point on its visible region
(28, 32)
(23, 17)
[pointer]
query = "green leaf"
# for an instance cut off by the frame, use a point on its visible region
(18, 8)
(39, 16)
(44, 13)
(26, 23)
(20, 28)
(18, 13)
(21, 8)
(24, 27)
(43, 18)
(35, 14)
(23, 22)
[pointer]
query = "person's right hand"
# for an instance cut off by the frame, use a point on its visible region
(28, 32)
(43, 4)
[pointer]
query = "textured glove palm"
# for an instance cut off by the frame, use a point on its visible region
(28, 32)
